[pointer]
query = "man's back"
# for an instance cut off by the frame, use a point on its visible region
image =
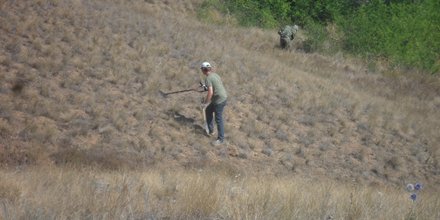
(220, 95)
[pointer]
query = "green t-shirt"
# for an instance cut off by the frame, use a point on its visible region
(215, 81)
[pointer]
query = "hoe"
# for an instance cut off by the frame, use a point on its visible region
(165, 94)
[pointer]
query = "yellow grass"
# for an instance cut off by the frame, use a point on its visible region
(53, 193)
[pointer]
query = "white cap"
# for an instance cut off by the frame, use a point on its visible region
(205, 65)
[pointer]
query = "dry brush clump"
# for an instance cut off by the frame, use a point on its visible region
(53, 193)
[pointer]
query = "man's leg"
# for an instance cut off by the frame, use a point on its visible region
(209, 116)
(219, 120)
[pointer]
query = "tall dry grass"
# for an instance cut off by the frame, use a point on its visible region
(53, 193)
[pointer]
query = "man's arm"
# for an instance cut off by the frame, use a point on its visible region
(209, 95)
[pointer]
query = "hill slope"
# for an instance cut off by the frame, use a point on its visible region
(80, 81)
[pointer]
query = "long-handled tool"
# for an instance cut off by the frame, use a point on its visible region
(204, 119)
(203, 107)
(165, 94)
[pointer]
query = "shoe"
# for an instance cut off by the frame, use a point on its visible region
(217, 142)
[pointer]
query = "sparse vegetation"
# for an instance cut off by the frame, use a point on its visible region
(85, 133)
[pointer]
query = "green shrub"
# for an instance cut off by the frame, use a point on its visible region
(404, 32)
(316, 36)
(262, 13)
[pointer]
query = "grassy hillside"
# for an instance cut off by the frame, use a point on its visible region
(79, 89)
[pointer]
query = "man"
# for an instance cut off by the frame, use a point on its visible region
(287, 34)
(216, 101)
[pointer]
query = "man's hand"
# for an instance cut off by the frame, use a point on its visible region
(203, 106)
(203, 103)
(205, 88)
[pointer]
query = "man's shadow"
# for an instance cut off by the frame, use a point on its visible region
(188, 122)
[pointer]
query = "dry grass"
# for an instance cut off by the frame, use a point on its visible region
(79, 88)
(52, 193)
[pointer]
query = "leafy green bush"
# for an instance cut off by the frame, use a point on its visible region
(305, 10)
(316, 36)
(262, 13)
(405, 32)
